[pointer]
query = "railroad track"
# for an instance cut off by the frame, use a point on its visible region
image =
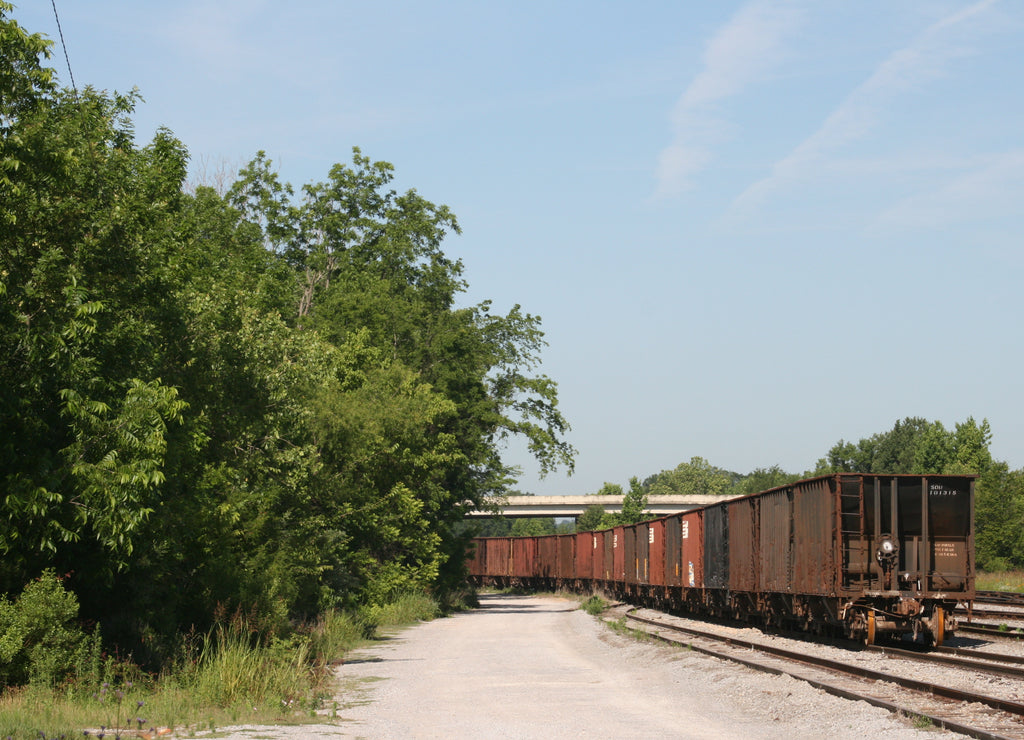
(1011, 666)
(938, 704)
(1013, 616)
(992, 630)
(1004, 598)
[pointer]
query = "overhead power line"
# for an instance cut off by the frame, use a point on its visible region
(64, 46)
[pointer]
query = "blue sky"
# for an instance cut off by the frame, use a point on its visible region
(750, 228)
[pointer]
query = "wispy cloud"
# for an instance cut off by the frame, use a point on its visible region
(220, 34)
(859, 114)
(743, 52)
(985, 188)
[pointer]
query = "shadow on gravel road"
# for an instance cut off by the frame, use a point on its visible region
(502, 604)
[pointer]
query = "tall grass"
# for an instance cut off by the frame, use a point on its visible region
(235, 669)
(406, 609)
(233, 674)
(1011, 580)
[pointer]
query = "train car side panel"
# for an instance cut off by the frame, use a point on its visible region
(608, 570)
(744, 555)
(619, 555)
(629, 553)
(547, 556)
(692, 539)
(951, 523)
(524, 557)
(643, 551)
(566, 544)
(814, 522)
(498, 561)
(656, 541)
(584, 565)
(776, 541)
(673, 550)
(716, 547)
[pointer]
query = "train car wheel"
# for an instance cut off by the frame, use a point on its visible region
(939, 628)
(869, 633)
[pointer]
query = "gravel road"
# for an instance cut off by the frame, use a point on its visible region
(538, 667)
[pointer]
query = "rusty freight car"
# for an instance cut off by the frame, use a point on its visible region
(856, 554)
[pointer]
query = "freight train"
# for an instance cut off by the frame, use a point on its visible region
(855, 555)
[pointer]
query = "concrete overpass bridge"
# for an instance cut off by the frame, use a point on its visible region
(573, 506)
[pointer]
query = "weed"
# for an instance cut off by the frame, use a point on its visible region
(594, 605)
(923, 723)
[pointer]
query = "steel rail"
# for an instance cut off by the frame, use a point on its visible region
(980, 654)
(990, 630)
(920, 687)
(991, 614)
(956, 660)
(999, 597)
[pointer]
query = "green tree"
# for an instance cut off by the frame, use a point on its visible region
(763, 479)
(609, 489)
(634, 503)
(914, 445)
(369, 263)
(86, 412)
(491, 526)
(895, 451)
(533, 526)
(565, 527)
(697, 477)
(259, 401)
(591, 518)
(25, 86)
(999, 518)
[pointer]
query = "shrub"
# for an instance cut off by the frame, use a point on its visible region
(40, 639)
(407, 608)
(594, 605)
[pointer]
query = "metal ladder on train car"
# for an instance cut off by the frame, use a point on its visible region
(853, 537)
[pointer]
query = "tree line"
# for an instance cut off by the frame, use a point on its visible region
(264, 398)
